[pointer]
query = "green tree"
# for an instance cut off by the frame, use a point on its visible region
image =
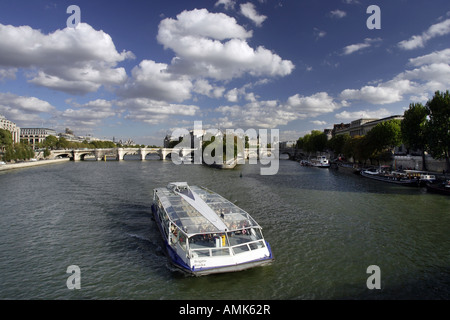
(413, 128)
(50, 142)
(208, 151)
(300, 143)
(62, 143)
(173, 143)
(362, 149)
(385, 135)
(5, 138)
(313, 142)
(438, 126)
(18, 151)
(9, 153)
(306, 142)
(337, 143)
(318, 140)
(357, 148)
(230, 149)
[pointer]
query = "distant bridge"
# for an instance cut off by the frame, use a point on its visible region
(118, 153)
(291, 152)
(163, 153)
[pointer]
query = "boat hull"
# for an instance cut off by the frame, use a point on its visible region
(321, 165)
(407, 182)
(438, 189)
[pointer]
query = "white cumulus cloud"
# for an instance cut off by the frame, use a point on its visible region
(248, 10)
(372, 94)
(419, 41)
(375, 114)
(213, 45)
(368, 42)
(313, 105)
(151, 80)
(75, 60)
(228, 4)
(152, 111)
(430, 72)
(24, 110)
(339, 14)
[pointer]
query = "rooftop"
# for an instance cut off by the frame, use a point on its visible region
(197, 210)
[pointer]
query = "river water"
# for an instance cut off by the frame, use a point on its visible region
(325, 228)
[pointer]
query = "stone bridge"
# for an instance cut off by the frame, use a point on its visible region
(163, 153)
(118, 153)
(291, 152)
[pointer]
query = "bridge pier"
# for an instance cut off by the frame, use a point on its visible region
(164, 152)
(120, 154)
(98, 155)
(143, 153)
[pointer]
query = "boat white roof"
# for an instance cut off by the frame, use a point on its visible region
(197, 210)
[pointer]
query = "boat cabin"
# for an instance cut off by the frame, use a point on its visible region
(197, 222)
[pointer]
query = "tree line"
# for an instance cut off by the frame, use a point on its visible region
(424, 127)
(54, 143)
(23, 151)
(14, 151)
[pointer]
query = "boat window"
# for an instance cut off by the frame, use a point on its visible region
(241, 249)
(177, 237)
(182, 240)
(243, 236)
(256, 232)
(220, 252)
(256, 245)
(201, 253)
(208, 240)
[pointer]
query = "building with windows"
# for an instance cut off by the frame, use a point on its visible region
(360, 127)
(33, 136)
(11, 127)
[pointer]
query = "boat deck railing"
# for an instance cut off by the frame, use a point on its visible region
(228, 251)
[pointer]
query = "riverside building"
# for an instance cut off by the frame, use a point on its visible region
(360, 127)
(33, 136)
(11, 127)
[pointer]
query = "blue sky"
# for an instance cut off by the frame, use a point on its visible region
(140, 69)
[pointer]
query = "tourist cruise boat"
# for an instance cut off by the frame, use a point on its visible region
(320, 162)
(205, 233)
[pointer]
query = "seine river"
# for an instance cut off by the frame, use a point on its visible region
(325, 228)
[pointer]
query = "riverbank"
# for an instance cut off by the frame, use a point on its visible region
(20, 165)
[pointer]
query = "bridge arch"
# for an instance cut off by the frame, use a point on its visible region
(64, 155)
(289, 153)
(80, 155)
(145, 153)
(129, 153)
